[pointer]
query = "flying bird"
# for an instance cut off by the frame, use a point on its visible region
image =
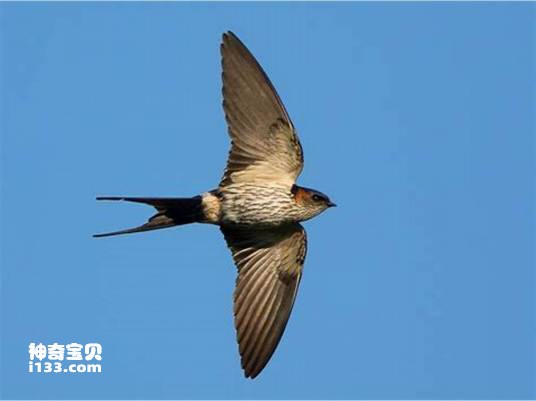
(257, 205)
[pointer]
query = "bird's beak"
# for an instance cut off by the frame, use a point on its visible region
(331, 204)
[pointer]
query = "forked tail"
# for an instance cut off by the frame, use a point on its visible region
(170, 212)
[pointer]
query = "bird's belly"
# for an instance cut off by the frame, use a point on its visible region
(257, 205)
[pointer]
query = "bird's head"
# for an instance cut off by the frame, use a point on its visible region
(313, 202)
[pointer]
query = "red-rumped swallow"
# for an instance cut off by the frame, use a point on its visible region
(257, 205)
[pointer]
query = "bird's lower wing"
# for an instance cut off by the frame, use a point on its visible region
(269, 266)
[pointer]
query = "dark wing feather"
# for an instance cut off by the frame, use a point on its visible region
(265, 146)
(269, 266)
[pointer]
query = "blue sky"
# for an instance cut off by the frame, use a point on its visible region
(416, 119)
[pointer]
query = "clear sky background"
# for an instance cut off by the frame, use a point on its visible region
(416, 119)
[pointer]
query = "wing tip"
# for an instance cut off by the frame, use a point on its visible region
(229, 38)
(250, 375)
(251, 372)
(228, 35)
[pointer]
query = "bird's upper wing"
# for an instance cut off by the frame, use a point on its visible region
(269, 266)
(265, 146)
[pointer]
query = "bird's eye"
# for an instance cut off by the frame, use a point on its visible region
(317, 198)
